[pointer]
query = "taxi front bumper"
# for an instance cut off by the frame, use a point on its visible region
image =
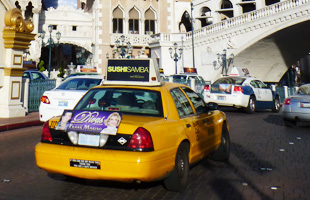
(102, 164)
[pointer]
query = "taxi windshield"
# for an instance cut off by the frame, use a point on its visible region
(130, 101)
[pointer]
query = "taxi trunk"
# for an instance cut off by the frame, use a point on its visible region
(128, 156)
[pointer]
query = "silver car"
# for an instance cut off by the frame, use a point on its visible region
(297, 107)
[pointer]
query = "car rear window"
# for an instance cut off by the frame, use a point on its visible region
(230, 80)
(130, 101)
(79, 84)
(179, 79)
(304, 90)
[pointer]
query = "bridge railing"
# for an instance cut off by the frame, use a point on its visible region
(247, 17)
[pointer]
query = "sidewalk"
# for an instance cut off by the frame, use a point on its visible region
(32, 119)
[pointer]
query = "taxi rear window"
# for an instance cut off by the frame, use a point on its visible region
(230, 80)
(130, 101)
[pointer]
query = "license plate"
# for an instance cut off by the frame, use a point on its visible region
(88, 139)
(88, 164)
(63, 103)
(220, 98)
(305, 105)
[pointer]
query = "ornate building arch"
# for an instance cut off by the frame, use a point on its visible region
(118, 19)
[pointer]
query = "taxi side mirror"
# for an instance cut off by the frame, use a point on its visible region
(212, 106)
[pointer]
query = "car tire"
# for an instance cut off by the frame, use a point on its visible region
(276, 105)
(289, 123)
(222, 153)
(251, 105)
(177, 180)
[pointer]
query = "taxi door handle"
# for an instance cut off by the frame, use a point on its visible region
(188, 125)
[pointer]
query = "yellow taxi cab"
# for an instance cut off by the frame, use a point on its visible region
(134, 128)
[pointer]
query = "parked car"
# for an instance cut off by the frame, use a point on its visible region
(66, 95)
(297, 107)
(242, 92)
(33, 74)
(156, 129)
(80, 74)
(186, 79)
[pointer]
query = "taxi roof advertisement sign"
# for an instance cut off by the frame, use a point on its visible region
(128, 70)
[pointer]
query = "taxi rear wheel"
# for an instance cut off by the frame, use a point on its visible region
(222, 153)
(177, 180)
(251, 105)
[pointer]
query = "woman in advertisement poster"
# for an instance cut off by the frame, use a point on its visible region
(64, 121)
(112, 123)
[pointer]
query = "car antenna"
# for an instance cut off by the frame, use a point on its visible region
(166, 116)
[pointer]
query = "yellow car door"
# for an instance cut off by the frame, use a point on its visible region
(208, 129)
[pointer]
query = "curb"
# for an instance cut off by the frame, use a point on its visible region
(8, 127)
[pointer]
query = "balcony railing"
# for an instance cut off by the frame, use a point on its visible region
(134, 39)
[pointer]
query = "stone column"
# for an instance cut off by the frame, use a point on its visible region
(260, 4)
(17, 36)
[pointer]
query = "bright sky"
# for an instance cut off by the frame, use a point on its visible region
(53, 3)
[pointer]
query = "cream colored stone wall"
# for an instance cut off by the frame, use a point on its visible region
(165, 16)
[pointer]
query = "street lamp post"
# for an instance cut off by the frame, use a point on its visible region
(51, 44)
(192, 18)
(122, 50)
(224, 62)
(175, 56)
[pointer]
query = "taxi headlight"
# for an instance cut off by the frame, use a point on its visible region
(73, 136)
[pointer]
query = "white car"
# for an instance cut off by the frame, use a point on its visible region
(66, 95)
(186, 79)
(242, 92)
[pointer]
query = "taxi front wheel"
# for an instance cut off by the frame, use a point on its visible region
(177, 180)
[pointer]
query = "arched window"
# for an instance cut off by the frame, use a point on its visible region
(133, 21)
(185, 24)
(83, 5)
(117, 20)
(28, 12)
(226, 10)
(205, 18)
(269, 2)
(226, 4)
(149, 24)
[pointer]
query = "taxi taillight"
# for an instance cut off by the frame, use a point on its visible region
(238, 89)
(46, 134)
(44, 99)
(141, 139)
(207, 88)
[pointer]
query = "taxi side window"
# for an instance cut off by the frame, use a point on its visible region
(254, 84)
(196, 100)
(261, 84)
(183, 106)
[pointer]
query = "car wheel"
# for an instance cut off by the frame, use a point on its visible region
(276, 105)
(177, 180)
(222, 153)
(289, 123)
(251, 105)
